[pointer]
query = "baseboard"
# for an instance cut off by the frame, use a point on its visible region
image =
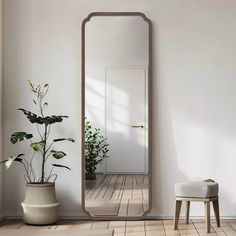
(1, 217)
(83, 217)
(191, 217)
(61, 217)
(76, 217)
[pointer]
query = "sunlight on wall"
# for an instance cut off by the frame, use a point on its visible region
(94, 101)
(118, 106)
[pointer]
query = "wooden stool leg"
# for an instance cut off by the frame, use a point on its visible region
(217, 211)
(187, 211)
(207, 212)
(177, 213)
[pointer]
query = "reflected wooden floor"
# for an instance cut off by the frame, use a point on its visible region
(130, 192)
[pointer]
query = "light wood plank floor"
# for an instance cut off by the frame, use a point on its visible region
(136, 228)
(131, 191)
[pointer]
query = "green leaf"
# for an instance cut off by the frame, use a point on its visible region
(12, 159)
(48, 120)
(58, 154)
(64, 139)
(32, 117)
(96, 147)
(20, 136)
(57, 165)
(38, 146)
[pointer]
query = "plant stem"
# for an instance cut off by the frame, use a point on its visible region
(39, 131)
(44, 154)
(26, 171)
(50, 146)
(40, 105)
(44, 138)
(31, 167)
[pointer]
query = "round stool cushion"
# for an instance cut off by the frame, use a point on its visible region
(197, 189)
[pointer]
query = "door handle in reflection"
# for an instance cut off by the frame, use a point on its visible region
(137, 126)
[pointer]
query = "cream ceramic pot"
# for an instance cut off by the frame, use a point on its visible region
(40, 204)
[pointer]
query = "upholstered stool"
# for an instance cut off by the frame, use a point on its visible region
(206, 192)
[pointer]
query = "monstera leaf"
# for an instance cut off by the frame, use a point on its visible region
(38, 146)
(58, 154)
(20, 136)
(48, 120)
(64, 139)
(12, 159)
(32, 117)
(62, 166)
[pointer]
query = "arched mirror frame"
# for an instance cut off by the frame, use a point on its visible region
(87, 19)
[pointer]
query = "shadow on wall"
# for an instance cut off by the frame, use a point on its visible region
(165, 166)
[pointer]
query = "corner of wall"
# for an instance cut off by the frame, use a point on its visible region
(1, 108)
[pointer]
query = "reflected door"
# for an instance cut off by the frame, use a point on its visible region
(126, 120)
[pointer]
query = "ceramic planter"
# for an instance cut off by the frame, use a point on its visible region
(40, 204)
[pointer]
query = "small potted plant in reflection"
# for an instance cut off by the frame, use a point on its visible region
(40, 204)
(96, 150)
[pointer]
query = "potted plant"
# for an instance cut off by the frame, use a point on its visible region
(96, 149)
(40, 204)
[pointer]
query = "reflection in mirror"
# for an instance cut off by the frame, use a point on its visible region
(116, 116)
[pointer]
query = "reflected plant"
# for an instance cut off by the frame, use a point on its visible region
(43, 124)
(96, 147)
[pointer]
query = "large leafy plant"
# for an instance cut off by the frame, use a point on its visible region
(96, 147)
(41, 145)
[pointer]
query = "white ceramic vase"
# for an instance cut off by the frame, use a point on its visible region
(40, 204)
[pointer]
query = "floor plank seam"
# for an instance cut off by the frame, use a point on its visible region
(195, 227)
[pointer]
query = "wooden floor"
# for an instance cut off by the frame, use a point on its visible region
(131, 191)
(135, 228)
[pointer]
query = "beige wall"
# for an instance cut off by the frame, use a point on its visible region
(194, 101)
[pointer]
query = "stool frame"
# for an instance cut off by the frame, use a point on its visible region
(207, 201)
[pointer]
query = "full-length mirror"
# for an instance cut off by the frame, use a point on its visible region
(116, 122)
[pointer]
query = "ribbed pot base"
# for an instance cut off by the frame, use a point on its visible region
(40, 204)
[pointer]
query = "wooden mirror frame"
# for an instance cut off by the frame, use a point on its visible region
(87, 19)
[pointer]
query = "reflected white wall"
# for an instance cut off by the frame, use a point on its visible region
(118, 41)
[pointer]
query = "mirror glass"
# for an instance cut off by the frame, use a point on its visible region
(116, 154)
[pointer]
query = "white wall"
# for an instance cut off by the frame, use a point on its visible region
(194, 101)
(1, 176)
